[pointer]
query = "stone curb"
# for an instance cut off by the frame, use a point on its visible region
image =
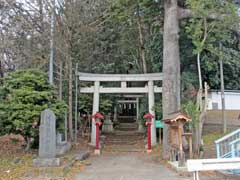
(83, 155)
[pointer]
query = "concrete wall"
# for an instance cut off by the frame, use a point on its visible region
(232, 100)
(213, 122)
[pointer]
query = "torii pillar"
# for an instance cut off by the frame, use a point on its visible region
(151, 103)
(94, 110)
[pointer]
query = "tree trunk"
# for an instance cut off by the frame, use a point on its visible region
(141, 40)
(40, 4)
(171, 67)
(196, 129)
(70, 98)
(1, 70)
(61, 80)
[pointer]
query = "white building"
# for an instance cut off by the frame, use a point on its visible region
(232, 100)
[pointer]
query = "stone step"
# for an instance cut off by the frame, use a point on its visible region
(120, 141)
(124, 140)
(128, 124)
(122, 136)
(124, 148)
(111, 143)
(126, 120)
(124, 133)
(126, 129)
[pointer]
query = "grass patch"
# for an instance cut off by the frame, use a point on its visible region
(13, 167)
(210, 138)
(16, 164)
(19, 166)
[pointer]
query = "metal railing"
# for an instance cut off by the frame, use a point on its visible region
(227, 144)
(235, 148)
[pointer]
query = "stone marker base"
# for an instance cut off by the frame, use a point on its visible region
(97, 151)
(92, 144)
(63, 148)
(46, 162)
(149, 150)
(82, 155)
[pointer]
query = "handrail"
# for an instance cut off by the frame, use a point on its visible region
(227, 136)
(225, 145)
(234, 142)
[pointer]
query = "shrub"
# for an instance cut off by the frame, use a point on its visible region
(23, 95)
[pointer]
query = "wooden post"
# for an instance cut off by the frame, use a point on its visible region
(190, 147)
(181, 157)
(160, 135)
(189, 138)
(171, 135)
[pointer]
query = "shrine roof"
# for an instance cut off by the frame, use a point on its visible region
(177, 116)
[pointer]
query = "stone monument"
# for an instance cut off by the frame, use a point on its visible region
(108, 124)
(47, 141)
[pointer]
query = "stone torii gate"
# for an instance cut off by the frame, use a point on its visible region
(97, 89)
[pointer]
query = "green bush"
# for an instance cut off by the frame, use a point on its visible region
(23, 95)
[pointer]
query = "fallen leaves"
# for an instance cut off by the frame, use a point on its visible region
(15, 164)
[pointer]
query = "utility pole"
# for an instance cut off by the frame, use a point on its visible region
(52, 43)
(224, 121)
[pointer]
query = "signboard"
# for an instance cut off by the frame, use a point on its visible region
(159, 124)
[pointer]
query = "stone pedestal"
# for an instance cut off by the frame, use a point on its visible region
(149, 150)
(141, 128)
(97, 152)
(46, 162)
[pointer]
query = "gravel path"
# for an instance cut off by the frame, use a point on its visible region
(129, 166)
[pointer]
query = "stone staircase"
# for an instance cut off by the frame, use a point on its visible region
(125, 138)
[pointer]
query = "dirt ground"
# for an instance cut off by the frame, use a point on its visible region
(16, 164)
